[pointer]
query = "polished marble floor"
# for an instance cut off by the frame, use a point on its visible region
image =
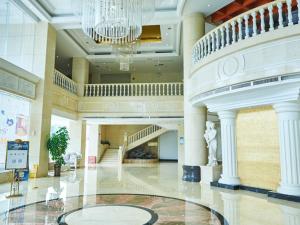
(157, 187)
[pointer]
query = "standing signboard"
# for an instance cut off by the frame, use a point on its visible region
(17, 156)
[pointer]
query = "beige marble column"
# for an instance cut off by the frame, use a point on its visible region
(78, 139)
(80, 73)
(40, 118)
(194, 117)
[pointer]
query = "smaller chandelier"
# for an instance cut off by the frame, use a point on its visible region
(115, 21)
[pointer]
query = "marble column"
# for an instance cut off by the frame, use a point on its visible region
(195, 152)
(78, 139)
(289, 139)
(229, 153)
(80, 73)
(41, 107)
(94, 141)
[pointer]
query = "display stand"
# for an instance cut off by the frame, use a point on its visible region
(16, 159)
(15, 185)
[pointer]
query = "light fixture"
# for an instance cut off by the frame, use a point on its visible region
(115, 21)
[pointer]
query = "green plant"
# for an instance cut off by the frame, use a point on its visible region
(57, 145)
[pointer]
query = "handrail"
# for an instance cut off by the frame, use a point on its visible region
(133, 89)
(64, 82)
(142, 133)
(247, 25)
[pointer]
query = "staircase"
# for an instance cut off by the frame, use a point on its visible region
(110, 158)
(144, 136)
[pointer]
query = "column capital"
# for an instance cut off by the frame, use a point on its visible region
(292, 106)
(228, 114)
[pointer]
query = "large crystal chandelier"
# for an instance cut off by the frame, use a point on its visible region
(115, 21)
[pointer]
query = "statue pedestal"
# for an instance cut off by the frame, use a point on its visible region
(210, 173)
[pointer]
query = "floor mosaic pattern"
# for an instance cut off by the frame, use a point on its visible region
(163, 210)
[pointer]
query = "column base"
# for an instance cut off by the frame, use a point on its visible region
(289, 190)
(191, 173)
(230, 180)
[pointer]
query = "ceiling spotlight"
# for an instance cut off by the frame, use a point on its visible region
(208, 5)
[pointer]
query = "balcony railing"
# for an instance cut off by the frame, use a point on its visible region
(64, 82)
(266, 18)
(133, 89)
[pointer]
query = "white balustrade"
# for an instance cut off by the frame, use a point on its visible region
(250, 24)
(133, 90)
(64, 82)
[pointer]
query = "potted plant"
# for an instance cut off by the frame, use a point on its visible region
(57, 145)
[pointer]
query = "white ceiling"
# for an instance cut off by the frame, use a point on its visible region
(72, 42)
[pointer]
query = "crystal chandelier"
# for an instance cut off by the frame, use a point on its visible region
(115, 21)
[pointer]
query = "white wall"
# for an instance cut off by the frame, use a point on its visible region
(168, 146)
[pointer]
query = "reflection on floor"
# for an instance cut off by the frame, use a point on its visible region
(238, 208)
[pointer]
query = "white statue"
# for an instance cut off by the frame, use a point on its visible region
(211, 139)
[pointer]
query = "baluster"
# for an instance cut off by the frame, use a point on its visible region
(246, 18)
(240, 28)
(209, 44)
(97, 90)
(280, 18)
(159, 87)
(94, 90)
(233, 23)
(222, 37)
(131, 89)
(270, 8)
(262, 20)
(144, 91)
(109, 90)
(117, 90)
(298, 7)
(201, 48)
(217, 40)
(227, 34)
(253, 14)
(176, 89)
(155, 88)
(290, 15)
(100, 90)
(213, 43)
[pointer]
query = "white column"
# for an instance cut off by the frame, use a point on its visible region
(229, 153)
(194, 117)
(78, 139)
(289, 138)
(93, 138)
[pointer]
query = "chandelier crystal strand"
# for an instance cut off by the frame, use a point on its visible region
(115, 21)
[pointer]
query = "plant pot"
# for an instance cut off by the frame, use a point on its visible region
(57, 169)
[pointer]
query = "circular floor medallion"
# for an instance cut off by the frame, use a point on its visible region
(90, 209)
(109, 214)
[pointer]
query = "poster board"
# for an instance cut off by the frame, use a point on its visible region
(17, 155)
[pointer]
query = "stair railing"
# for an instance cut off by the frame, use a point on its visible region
(142, 134)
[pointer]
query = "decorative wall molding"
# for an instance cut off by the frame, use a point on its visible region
(168, 106)
(251, 96)
(16, 80)
(274, 58)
